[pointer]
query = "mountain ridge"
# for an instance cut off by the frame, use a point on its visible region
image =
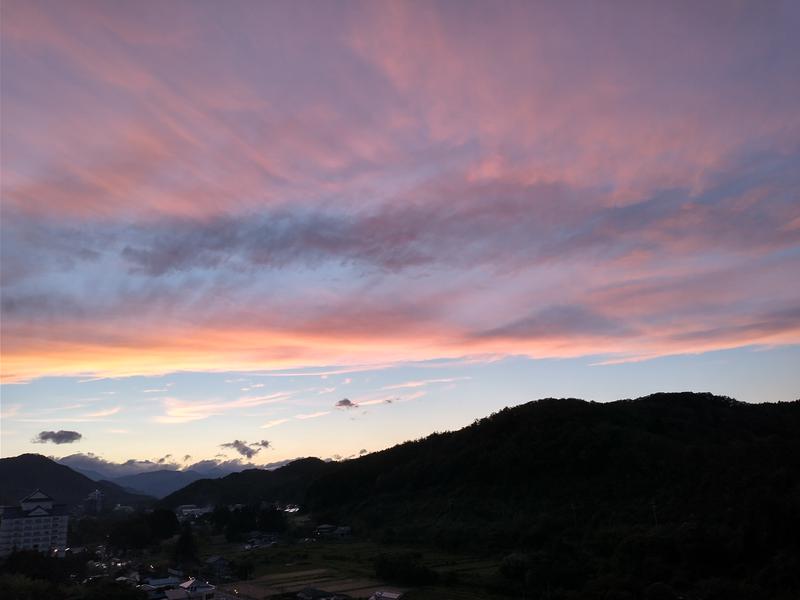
(657, 421)
(20, 475)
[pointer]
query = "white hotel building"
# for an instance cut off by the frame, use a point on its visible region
(36, 524)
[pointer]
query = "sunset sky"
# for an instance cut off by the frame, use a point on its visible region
(335, 226)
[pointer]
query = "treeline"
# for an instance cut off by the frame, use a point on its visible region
(688, 494)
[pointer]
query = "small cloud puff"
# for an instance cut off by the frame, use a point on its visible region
(57, 437)
(346, 403)
(245, 449)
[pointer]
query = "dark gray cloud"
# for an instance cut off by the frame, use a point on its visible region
(769, 323)
(520, 224)
(559, 320)
(242, 448)
(346, 403)
(427, 229)
(57, 437)
(248, 450)
(219, 468)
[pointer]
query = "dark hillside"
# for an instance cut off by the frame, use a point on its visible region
(21, 475)
(287, 484)
(684, 453)
(695, 492)
(698, 492)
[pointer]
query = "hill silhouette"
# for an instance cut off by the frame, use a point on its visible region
(287, 484)
(697, 493)
(21, 475)
(684, 454)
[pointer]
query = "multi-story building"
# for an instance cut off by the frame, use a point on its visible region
(36, 524)
(93, 505)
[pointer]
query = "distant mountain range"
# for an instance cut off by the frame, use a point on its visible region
(158, 483)
(147, 477)
(21, 475)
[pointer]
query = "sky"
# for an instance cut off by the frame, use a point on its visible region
(253, 231)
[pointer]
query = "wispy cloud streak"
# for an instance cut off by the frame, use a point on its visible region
(432, 181)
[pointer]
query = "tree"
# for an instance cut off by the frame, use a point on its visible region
(272, 519)
(22, 587)
(131, 533)
(186, 547)
(163, 523)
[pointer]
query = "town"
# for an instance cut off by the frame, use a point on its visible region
(124, 552)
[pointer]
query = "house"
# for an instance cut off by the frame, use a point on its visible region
(162, 582)
(198, 590)
(324, 530)
(38, 523)
(170, 589)
(155, 587)
(332, 531)
(188, 512)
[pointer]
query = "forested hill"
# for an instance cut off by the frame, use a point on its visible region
(23, 474)
(665, 458)
(668, 496)
(287, 484)
(696, 490)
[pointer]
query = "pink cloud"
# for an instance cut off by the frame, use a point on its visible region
(397, 182)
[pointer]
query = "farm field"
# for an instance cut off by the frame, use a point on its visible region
(348, 568)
